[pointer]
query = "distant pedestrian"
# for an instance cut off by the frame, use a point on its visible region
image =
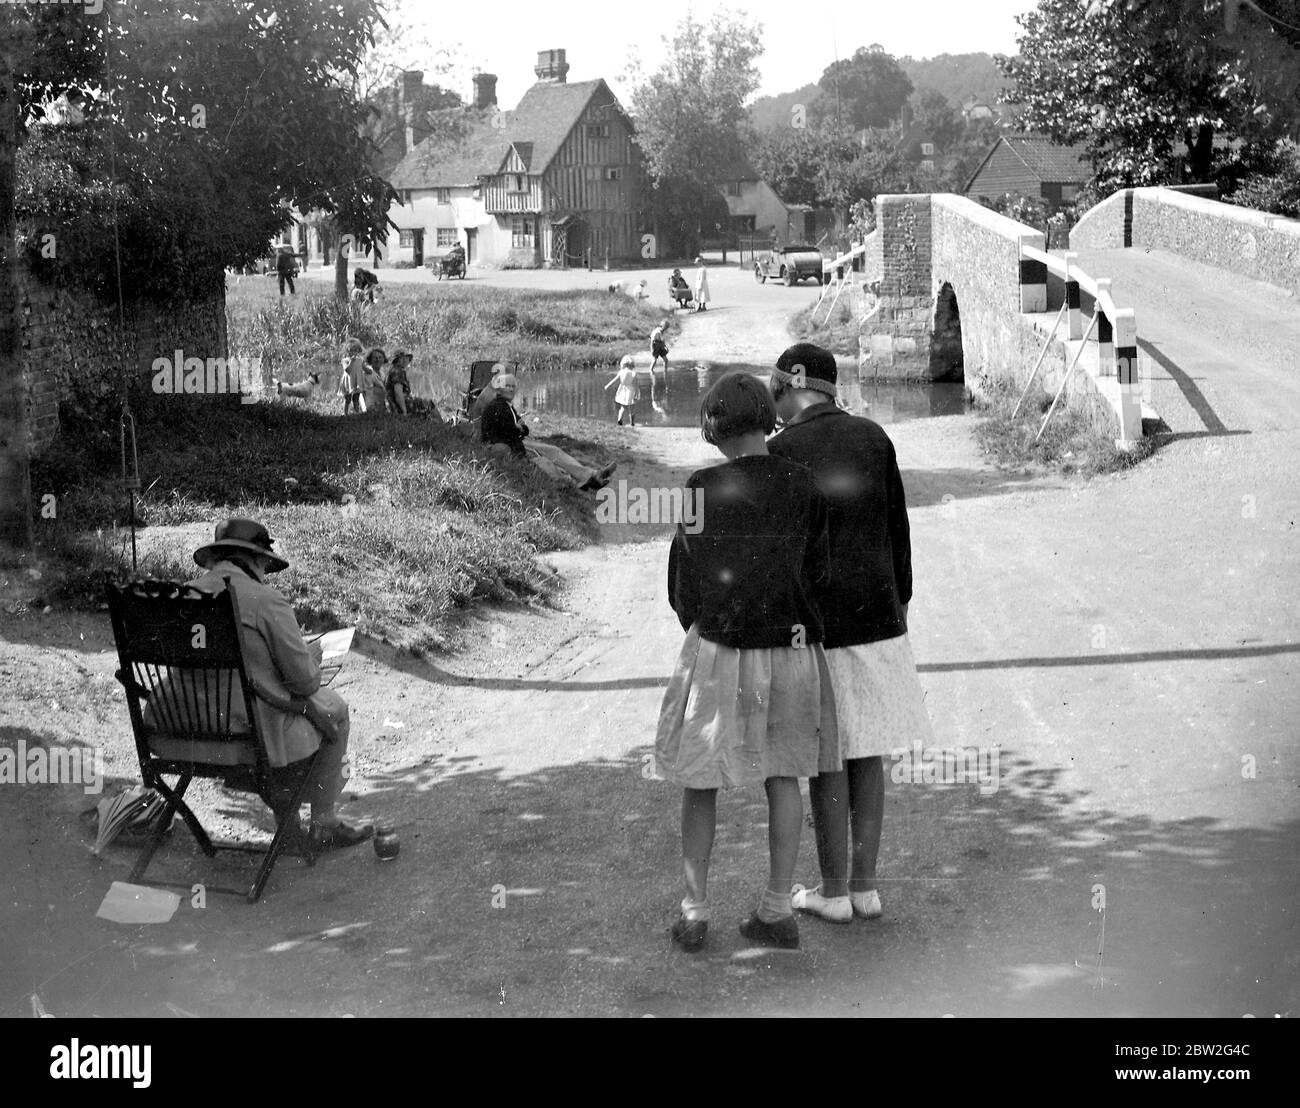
(286, 268)
(366, 285)
(626, 394)
(750, 698)
(701, 285)
(658, 349)
(352, 382)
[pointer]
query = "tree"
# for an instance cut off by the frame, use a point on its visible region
(788, 158)
(208, 121)
(934, 114)
(1131, 84)
(690, 113)
(866, 90)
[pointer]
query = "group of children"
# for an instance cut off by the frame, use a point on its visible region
(627, 378)
(365, 386)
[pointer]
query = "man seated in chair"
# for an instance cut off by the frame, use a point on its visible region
(281, 664)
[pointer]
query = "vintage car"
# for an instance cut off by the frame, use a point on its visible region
(789, 264)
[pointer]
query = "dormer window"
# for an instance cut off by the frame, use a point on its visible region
(516, 183)
(927, 150)
(598, 130)
(613, 173)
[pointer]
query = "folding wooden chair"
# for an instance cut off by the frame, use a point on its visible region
(181, 657)
(480, 375)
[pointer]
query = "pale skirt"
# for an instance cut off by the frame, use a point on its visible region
(733, 718)
(625, 395)
(879, 702)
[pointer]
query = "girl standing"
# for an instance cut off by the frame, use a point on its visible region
(625, 396)
(750, 700)
(351, 386)
(376, 397)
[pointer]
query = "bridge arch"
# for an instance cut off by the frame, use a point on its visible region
(947, 359)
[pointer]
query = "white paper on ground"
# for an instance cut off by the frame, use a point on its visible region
(335, 644)
(124, 903)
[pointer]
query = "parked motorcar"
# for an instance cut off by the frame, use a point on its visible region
(789, 264)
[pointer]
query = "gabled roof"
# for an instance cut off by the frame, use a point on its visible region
(474, 143)
(546, 115)
(468, 143)
(1050, 162)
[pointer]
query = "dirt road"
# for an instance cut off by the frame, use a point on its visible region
(1126, 648)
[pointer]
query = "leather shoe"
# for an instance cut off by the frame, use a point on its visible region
(339, 836)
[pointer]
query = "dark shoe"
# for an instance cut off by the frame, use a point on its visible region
(690, 934)
(604, 475)
(340, 836)
(783, 932)
(591, 484)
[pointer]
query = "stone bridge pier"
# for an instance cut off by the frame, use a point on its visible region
(951, 293)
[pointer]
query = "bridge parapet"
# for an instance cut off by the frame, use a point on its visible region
(960, 291)
(1245, 241)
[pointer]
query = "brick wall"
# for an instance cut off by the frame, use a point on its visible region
(1254, 244)
(73, 348)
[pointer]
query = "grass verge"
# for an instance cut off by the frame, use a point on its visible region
(839, 334)
(1075, 441)
(392, 525)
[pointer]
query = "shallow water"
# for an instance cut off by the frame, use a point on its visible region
(675, 402)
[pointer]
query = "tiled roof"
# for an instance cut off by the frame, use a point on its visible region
(1050, 162)
(468, 144)
(475, 142)
(546, 115)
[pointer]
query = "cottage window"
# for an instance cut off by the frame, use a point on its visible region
(733, 188)
(446, 237)
(927, 165)
(406, 239)
(613, 173)
(442, 196)
(516, 183)
(598, 130)
(927, 150)
(521, 233)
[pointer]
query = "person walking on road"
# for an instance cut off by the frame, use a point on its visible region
(286, 268)
(750, 698)
(879, 702)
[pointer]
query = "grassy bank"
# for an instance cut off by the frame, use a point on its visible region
(392, 524)
(1075, 440)
(445, 326)
(839, 334)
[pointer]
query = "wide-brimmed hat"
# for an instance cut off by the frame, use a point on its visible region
(240, 534)
(403, 354)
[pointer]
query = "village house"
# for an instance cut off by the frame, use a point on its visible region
(1033, 166)
(557, 181)
(757, 212)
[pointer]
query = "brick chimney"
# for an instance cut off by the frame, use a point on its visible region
(551, 66)
(412, 88)
(485, 90)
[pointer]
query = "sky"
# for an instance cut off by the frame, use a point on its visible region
(602, 36)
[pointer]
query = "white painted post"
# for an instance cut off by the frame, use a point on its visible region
(1130, 377)
(1033, 277)
(1073, 315)
(1105, 333)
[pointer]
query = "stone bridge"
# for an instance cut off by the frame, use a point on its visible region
(962, 293)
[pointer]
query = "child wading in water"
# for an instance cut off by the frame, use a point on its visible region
(352, 383)
(750, 699)
(625, 396)
(658, 349)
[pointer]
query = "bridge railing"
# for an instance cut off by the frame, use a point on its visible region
(1115, 327)
(834, 277)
